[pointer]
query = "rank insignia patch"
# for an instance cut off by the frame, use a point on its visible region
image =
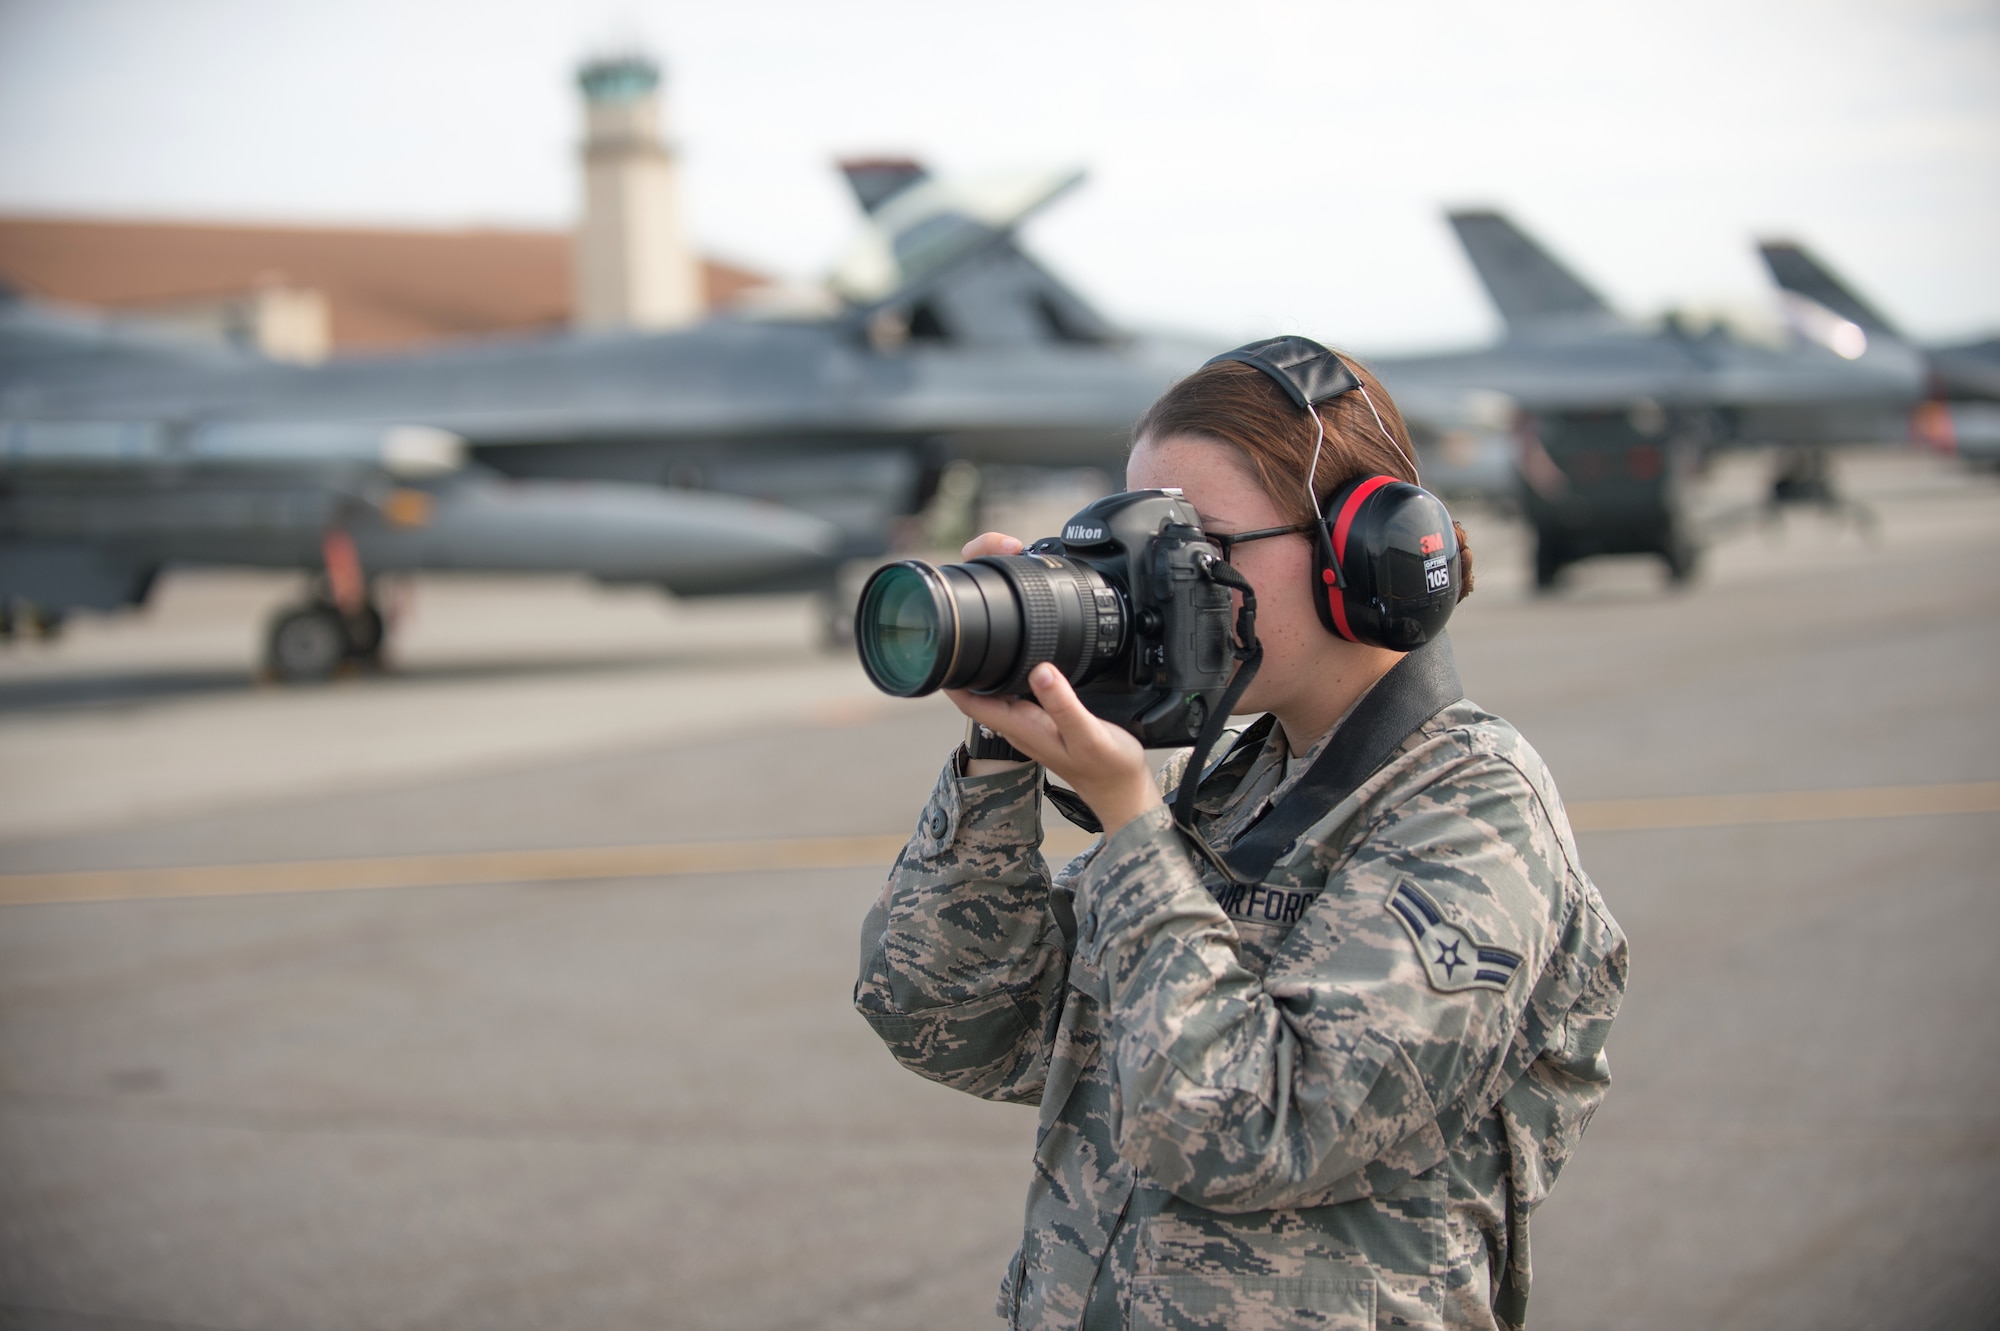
(1452, 958)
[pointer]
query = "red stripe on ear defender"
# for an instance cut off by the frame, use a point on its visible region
(1336, 599)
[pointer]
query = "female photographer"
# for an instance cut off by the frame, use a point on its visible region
(1327, 1097)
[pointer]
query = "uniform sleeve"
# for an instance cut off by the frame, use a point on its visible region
(963, 965)
(1353, 1051)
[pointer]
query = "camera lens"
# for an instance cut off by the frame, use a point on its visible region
(903, 628)
(984, 625)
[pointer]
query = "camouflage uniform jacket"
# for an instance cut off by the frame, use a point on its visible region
(1331, 1100)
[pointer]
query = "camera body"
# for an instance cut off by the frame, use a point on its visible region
(1174, 661)
(1122, 603)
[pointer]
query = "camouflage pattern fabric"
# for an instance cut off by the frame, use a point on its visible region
(1329, 1100)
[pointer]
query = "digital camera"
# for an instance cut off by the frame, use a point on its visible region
(1123, 603)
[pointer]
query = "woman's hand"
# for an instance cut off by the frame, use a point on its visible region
(1102, 763)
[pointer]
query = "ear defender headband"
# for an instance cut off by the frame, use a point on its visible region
(1387, 570)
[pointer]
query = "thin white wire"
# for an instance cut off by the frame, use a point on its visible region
(1312, 472)
(1385, 434)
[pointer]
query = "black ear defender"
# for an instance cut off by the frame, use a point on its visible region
(1387, 572)
(1388, 563)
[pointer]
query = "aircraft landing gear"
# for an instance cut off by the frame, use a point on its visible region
(313, 641)
(340, 625)
(306, 642)
(27, 620)
(367, 634)
(1804, 478)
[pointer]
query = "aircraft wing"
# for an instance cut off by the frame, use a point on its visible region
(44, 341)
(1970, 370)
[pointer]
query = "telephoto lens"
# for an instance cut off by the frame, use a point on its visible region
(1126, 603)
(984, 625)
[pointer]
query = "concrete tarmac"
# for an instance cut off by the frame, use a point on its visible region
(643, 1101)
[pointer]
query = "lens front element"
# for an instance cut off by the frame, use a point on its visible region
(905, 629)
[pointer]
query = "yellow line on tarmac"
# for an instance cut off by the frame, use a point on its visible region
(580, 864)
(593, 863)
(1785, 806)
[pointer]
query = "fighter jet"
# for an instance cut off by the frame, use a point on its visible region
(944, 341)
(93, 509)
(1613, 415)
(1962, 381)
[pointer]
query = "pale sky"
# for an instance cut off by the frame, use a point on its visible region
(1272, 168)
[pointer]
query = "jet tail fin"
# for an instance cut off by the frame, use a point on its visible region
(1527, 284)
(942, 256)
(876, 180)
(1798, 270)
(928, 227)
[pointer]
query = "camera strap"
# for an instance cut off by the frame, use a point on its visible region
(1071, 806)
(1249, 654)
(1417, 688)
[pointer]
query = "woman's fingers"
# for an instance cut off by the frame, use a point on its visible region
(1025, 726)
(1061, 704)
(1031, 727)
(1056, 728)
(1093, 749)
(991, 543)
(1102, 763)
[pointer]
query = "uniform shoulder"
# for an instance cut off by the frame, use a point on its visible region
(1496, 746)
(1477, 730)
(1467, 746)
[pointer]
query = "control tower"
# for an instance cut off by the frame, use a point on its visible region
(634, 268)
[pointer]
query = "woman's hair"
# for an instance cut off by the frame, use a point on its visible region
(1238, 405)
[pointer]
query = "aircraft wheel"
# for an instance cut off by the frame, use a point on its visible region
(306, 643)
(365, 633)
